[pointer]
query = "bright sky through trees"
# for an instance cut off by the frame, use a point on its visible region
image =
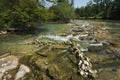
(79, 3)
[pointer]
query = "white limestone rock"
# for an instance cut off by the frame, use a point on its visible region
(7, 63)
(22, 71)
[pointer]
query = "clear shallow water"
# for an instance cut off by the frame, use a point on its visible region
(52, 29)
(114, 28)
(16, 44)
(11, 43)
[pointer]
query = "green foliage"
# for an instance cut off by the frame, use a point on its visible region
(46, 14)
(106, 9)
(4, 19)
(22, 14)
(25, 14)
(63, 11)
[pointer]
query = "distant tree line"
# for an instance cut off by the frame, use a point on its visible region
(25, 14)
(103, 9)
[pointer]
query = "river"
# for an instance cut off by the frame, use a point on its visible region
(14, 43)
(18, 45)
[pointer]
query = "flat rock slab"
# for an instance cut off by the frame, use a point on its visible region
(7, 63)
(22, 71)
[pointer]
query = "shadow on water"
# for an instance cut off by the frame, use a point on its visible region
(42, 29)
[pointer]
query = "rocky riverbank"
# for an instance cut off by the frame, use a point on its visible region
(83, 52)
(3, 32)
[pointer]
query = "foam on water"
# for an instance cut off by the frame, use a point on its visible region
(66, 38)
(58, 38)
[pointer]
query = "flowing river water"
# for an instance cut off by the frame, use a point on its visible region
(17, 44)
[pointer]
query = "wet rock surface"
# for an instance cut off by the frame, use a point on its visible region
(8, 63)
(3, 32)
(84, 65)
(86, 51)
(21, 72)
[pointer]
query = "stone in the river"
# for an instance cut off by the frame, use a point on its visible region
(21, 72)
(7, 63)
(92, 73)
(3, 32)
(42, 64)
(81, 55)
(42, 52)
(84, 67)
(83, 73)
(80, 63)
(86, 62)
(7, 77)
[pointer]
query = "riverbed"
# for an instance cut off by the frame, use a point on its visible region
(16, 43)
(105, 61)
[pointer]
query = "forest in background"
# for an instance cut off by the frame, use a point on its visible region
(100, 9)
(25, 14)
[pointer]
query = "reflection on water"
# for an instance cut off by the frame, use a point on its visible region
(48, 29)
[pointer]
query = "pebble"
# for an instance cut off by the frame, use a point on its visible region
(80, 63)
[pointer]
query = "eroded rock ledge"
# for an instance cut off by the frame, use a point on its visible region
(10, 63)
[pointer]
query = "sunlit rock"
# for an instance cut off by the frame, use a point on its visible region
(21, 72)
(7, 63)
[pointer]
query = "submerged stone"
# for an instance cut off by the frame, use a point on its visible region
(54, 72)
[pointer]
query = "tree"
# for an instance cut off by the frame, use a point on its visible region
(22, 14)
(63, 11)
(105, 9)
(115, 14)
